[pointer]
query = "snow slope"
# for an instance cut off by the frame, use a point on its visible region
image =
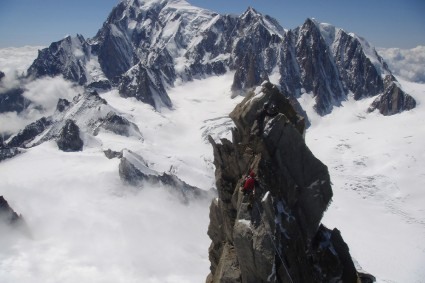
(377, 166)
(87, 226)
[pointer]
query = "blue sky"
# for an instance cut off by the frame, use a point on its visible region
(384, 23)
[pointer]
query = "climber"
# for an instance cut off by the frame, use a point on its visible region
(248, 188)
(249, 185)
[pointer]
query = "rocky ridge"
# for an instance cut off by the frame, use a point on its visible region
(277, 236)
(134, 171)
(87, 111)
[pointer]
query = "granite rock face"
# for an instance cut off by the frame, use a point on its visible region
(276, 235)
(66, 57)
(145, 85)
(12, 100)
(394, 100)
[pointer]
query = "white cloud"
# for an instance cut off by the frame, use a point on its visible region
(47, 91)
(14, 62)
(406, 63)
(44, 92)
(17, 60)
(87, 226)
(11, 122)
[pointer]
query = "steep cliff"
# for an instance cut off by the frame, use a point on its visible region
(276, 235)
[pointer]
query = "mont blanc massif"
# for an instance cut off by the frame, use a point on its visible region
(124, 156)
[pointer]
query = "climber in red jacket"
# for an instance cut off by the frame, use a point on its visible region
(249, 186)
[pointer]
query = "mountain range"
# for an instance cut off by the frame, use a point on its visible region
(145, 48)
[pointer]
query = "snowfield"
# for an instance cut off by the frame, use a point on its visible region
(85, 225)
(377, 167)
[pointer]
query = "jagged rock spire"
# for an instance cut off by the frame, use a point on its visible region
(276, 236)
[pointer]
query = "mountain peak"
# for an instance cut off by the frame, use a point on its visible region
(250, 12)
(311, 21)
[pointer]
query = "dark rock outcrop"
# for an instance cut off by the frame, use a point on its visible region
(12, 100)
(109, 153)
(276, 236)
(2, 75)
(28, 134)
(358, 74)
(66, 57)
(318, 72)
(135, 171)
(394, 100)
(145, 85)
(69, 137)
(62, 105)
(7, 214)
(102, 85)
(6, 152)
(113, 46)
(118, 125)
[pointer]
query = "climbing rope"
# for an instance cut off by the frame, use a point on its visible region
(274, 245)
(267, 230)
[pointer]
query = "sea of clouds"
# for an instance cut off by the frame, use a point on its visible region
(408, 64)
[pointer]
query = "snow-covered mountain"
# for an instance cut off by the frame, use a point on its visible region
(145, 47)
(138, 103)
